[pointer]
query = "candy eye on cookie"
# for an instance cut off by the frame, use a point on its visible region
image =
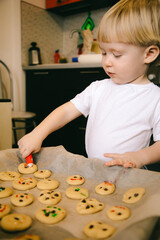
(98, 230)
(22, 199)
(75, 180)
(42, 174)
(25, 169)
(9, 175)
(77, 193)
(50, 214)
(89, 206)
(105, 188)
(118, 213)
(5, 192)
(15, 222)
(50, 197)
(133, 195)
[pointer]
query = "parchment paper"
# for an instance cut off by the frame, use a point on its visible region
(144, 213)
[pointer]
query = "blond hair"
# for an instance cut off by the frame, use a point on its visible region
(132, 21)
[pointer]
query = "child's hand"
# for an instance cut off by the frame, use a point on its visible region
(129, 159)
(30, 143)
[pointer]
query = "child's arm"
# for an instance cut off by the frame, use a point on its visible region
(137, 159)
(62, 115)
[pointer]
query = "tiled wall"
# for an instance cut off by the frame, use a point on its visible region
(52, 32)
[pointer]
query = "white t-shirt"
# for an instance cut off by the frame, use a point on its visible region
(121, 118)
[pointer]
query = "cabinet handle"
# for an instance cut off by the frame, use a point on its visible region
(88, 72)
(40, 73)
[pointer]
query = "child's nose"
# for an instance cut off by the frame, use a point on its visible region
(107, 61)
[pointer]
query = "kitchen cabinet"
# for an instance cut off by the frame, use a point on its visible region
(47, 89)
(68, 7)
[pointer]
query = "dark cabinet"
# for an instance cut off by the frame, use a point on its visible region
(68, 7)
(48, 89)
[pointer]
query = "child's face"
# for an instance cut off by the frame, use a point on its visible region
(124, 63)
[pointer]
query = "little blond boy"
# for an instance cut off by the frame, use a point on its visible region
(124, 110)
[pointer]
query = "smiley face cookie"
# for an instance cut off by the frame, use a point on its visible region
(24, 183)
(4, 209)
(133, 195)
(118, 213)
(89, 206)
(105, 188)
(25, 169)
(9, 175)
(76, 193)
(98, 229)
(15, 222)
(75, 180)
(50, 214)
(22, 199)
(43, 174)
(27, 237)
(47, 184)
(50, 197)
(5, 192)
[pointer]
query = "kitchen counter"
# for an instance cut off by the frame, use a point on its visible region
(62, 66)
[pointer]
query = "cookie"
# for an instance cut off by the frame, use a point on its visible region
(105, 188)
(9, 175)
(24, 183)
(25, 169)
(4, 209)
(43, 174)
(50, 214)
(27, 237)
(118, 213)
(88, 206)
(50, 197)
(133, 195)
(75, 180)
(76, 193)
(22, 199)
(15, 222)
(5, 192)
(47, 184)
(97, 229)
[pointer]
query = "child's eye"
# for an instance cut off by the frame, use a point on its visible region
(117, 55)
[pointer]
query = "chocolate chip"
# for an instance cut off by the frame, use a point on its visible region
(119, 213)
(46, 198)
(75, 176)
(87, 207)
(129, 197)
(47, 214)
(21, 196)
(105, 189)
(41, 194)
(136, 194)
(20, 200)
(84, 201)
(92, 206)
(104, 229)
(53, 211)
(23, 182)
(56, 194)
(91, 226)
(16, 218)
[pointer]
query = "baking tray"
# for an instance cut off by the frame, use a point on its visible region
(144, 214)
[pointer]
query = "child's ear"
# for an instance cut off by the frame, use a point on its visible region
(151, 53)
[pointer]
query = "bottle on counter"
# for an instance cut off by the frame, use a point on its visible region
(56, 56)
(34, 54)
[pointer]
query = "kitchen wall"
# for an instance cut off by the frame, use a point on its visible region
(52, 32)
